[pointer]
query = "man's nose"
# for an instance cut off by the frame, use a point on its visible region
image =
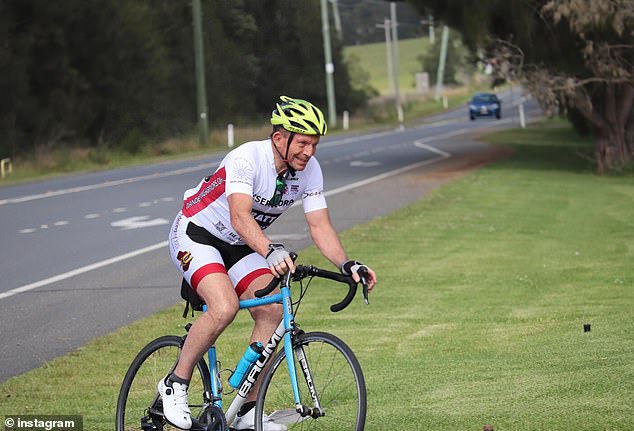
(309, 150)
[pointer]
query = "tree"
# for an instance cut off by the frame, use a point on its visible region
(575, 56)
(121, 72)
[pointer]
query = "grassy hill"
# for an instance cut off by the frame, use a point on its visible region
(373, 59)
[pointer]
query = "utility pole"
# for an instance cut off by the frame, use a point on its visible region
(337, 17)
(397, 94)
(441, 63)
(330, 67)
(200, 73)
(432, 33)
(388, 50)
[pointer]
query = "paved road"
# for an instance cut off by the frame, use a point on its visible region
(86, 254)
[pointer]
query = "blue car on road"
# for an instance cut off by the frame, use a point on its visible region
(485, 105)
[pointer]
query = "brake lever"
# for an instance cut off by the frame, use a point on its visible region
(365, 290)
(364, 283)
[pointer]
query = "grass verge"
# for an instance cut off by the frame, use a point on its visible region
(478, 317)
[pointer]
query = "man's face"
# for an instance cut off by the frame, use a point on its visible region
(302, 148)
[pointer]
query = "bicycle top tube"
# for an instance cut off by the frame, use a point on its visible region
(269, 299)
(256, 302)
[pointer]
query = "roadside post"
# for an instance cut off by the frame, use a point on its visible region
(5, 167)
(230, 135)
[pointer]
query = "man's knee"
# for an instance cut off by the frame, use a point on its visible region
(223, 314)
(271, 312)
(220, 297)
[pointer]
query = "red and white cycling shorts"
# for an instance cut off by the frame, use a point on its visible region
(197, 253)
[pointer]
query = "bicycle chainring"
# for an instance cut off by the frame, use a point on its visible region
(213, 419)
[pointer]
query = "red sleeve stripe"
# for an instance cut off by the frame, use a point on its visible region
(209, 191)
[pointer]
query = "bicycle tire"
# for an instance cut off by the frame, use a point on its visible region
(337, 378)
(139, 387)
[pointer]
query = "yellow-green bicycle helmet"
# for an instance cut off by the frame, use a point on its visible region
(299, 116)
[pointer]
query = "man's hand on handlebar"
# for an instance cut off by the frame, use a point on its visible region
(353, 268)
(279, 260)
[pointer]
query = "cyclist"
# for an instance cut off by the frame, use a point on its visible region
(218, 242)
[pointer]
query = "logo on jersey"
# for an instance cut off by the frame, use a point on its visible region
(311, 194)
(263, 219)
(185, 259)
(220, 227)
(242, 172)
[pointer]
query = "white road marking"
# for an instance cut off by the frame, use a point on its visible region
(288, 237)
(82, 270)
(138, 222)
(362, 164)
(94, 216)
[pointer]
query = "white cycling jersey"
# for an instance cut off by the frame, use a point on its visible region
(250, 169)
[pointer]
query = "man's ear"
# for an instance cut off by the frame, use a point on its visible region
(279, 136)
(275, 136)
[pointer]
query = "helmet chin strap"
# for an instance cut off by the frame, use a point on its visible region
(290, 170)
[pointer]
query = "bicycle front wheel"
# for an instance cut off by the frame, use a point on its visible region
(139, 406)
(331, 384)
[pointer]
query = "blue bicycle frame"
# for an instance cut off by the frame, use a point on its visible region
(284, 331)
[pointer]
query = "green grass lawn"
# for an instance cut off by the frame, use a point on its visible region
(484, 288)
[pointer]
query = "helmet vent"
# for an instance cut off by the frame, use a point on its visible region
(313, 126)
(295, 124)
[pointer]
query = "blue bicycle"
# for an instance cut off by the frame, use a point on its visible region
(328, 394)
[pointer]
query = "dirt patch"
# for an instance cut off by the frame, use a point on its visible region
(456, 167)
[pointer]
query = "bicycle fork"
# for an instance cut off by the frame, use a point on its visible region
(292, 352)
(316, 411)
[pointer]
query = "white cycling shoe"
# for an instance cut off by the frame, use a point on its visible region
(175, 405)
(247, 422)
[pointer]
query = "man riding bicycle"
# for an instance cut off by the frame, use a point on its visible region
(218, 242)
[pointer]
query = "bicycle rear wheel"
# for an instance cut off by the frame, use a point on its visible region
(335, 375)
(139, 406)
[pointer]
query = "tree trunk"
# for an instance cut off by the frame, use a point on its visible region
(629, 133)
(613, 151)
